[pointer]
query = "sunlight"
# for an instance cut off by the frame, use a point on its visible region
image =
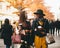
(6, 11)
(54, 7)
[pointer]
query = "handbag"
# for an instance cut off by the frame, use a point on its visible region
(2, 34)
(50, 39)
(16, 38)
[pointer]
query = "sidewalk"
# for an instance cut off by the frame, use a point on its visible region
(2, 44)
(55, 45)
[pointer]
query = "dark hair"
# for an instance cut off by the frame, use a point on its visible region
(6, 21)
(23, 16)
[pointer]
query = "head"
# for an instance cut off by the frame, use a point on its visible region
(6, 21)
(14, 22)
(23, 16)
(39, 13)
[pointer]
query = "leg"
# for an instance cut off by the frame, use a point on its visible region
(7, 46)
(53, 31)
(44, 45)
(12, 45)
(58, 31)
(37, 42)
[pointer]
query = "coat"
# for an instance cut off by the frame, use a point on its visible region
(7, 33)
(43, 23)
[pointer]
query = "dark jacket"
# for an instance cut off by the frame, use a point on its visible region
(45, 26)
(7, 33)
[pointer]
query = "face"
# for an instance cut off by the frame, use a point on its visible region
(37, 16)
(19, 27)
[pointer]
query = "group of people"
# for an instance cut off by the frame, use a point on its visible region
(54, 27)
(35, 33)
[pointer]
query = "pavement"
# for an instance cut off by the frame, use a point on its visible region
(54, 45)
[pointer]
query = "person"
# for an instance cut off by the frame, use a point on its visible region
(7, 33)
(26, 27)
(52, 27)
(57, 23)
(40, 26)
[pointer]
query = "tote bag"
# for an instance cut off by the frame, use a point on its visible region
(16, 39)
(50, 39)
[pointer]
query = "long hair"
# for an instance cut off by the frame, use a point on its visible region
(23, 16)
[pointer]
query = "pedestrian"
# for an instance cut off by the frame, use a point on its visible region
(7, 33)
(26, 27)
(57, 23)
(52, 27)
(40, 26)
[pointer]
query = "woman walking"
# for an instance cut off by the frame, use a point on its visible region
(7, 33)
(26, 27)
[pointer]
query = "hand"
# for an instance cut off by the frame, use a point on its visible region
(27, 30)
(43, 32)
(23, 32)
(47, 33)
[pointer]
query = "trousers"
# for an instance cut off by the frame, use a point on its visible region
(40, 42)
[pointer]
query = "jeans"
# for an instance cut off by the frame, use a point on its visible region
(7, 46)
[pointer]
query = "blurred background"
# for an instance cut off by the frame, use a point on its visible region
(11, 9)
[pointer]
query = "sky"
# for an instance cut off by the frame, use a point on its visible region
(54, 7)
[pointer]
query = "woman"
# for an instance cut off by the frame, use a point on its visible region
(26, 27)
(7, 33)
(41, 27)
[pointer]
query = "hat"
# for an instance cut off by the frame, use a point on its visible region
(39, 11)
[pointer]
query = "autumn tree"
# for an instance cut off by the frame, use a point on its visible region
(33, 5)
